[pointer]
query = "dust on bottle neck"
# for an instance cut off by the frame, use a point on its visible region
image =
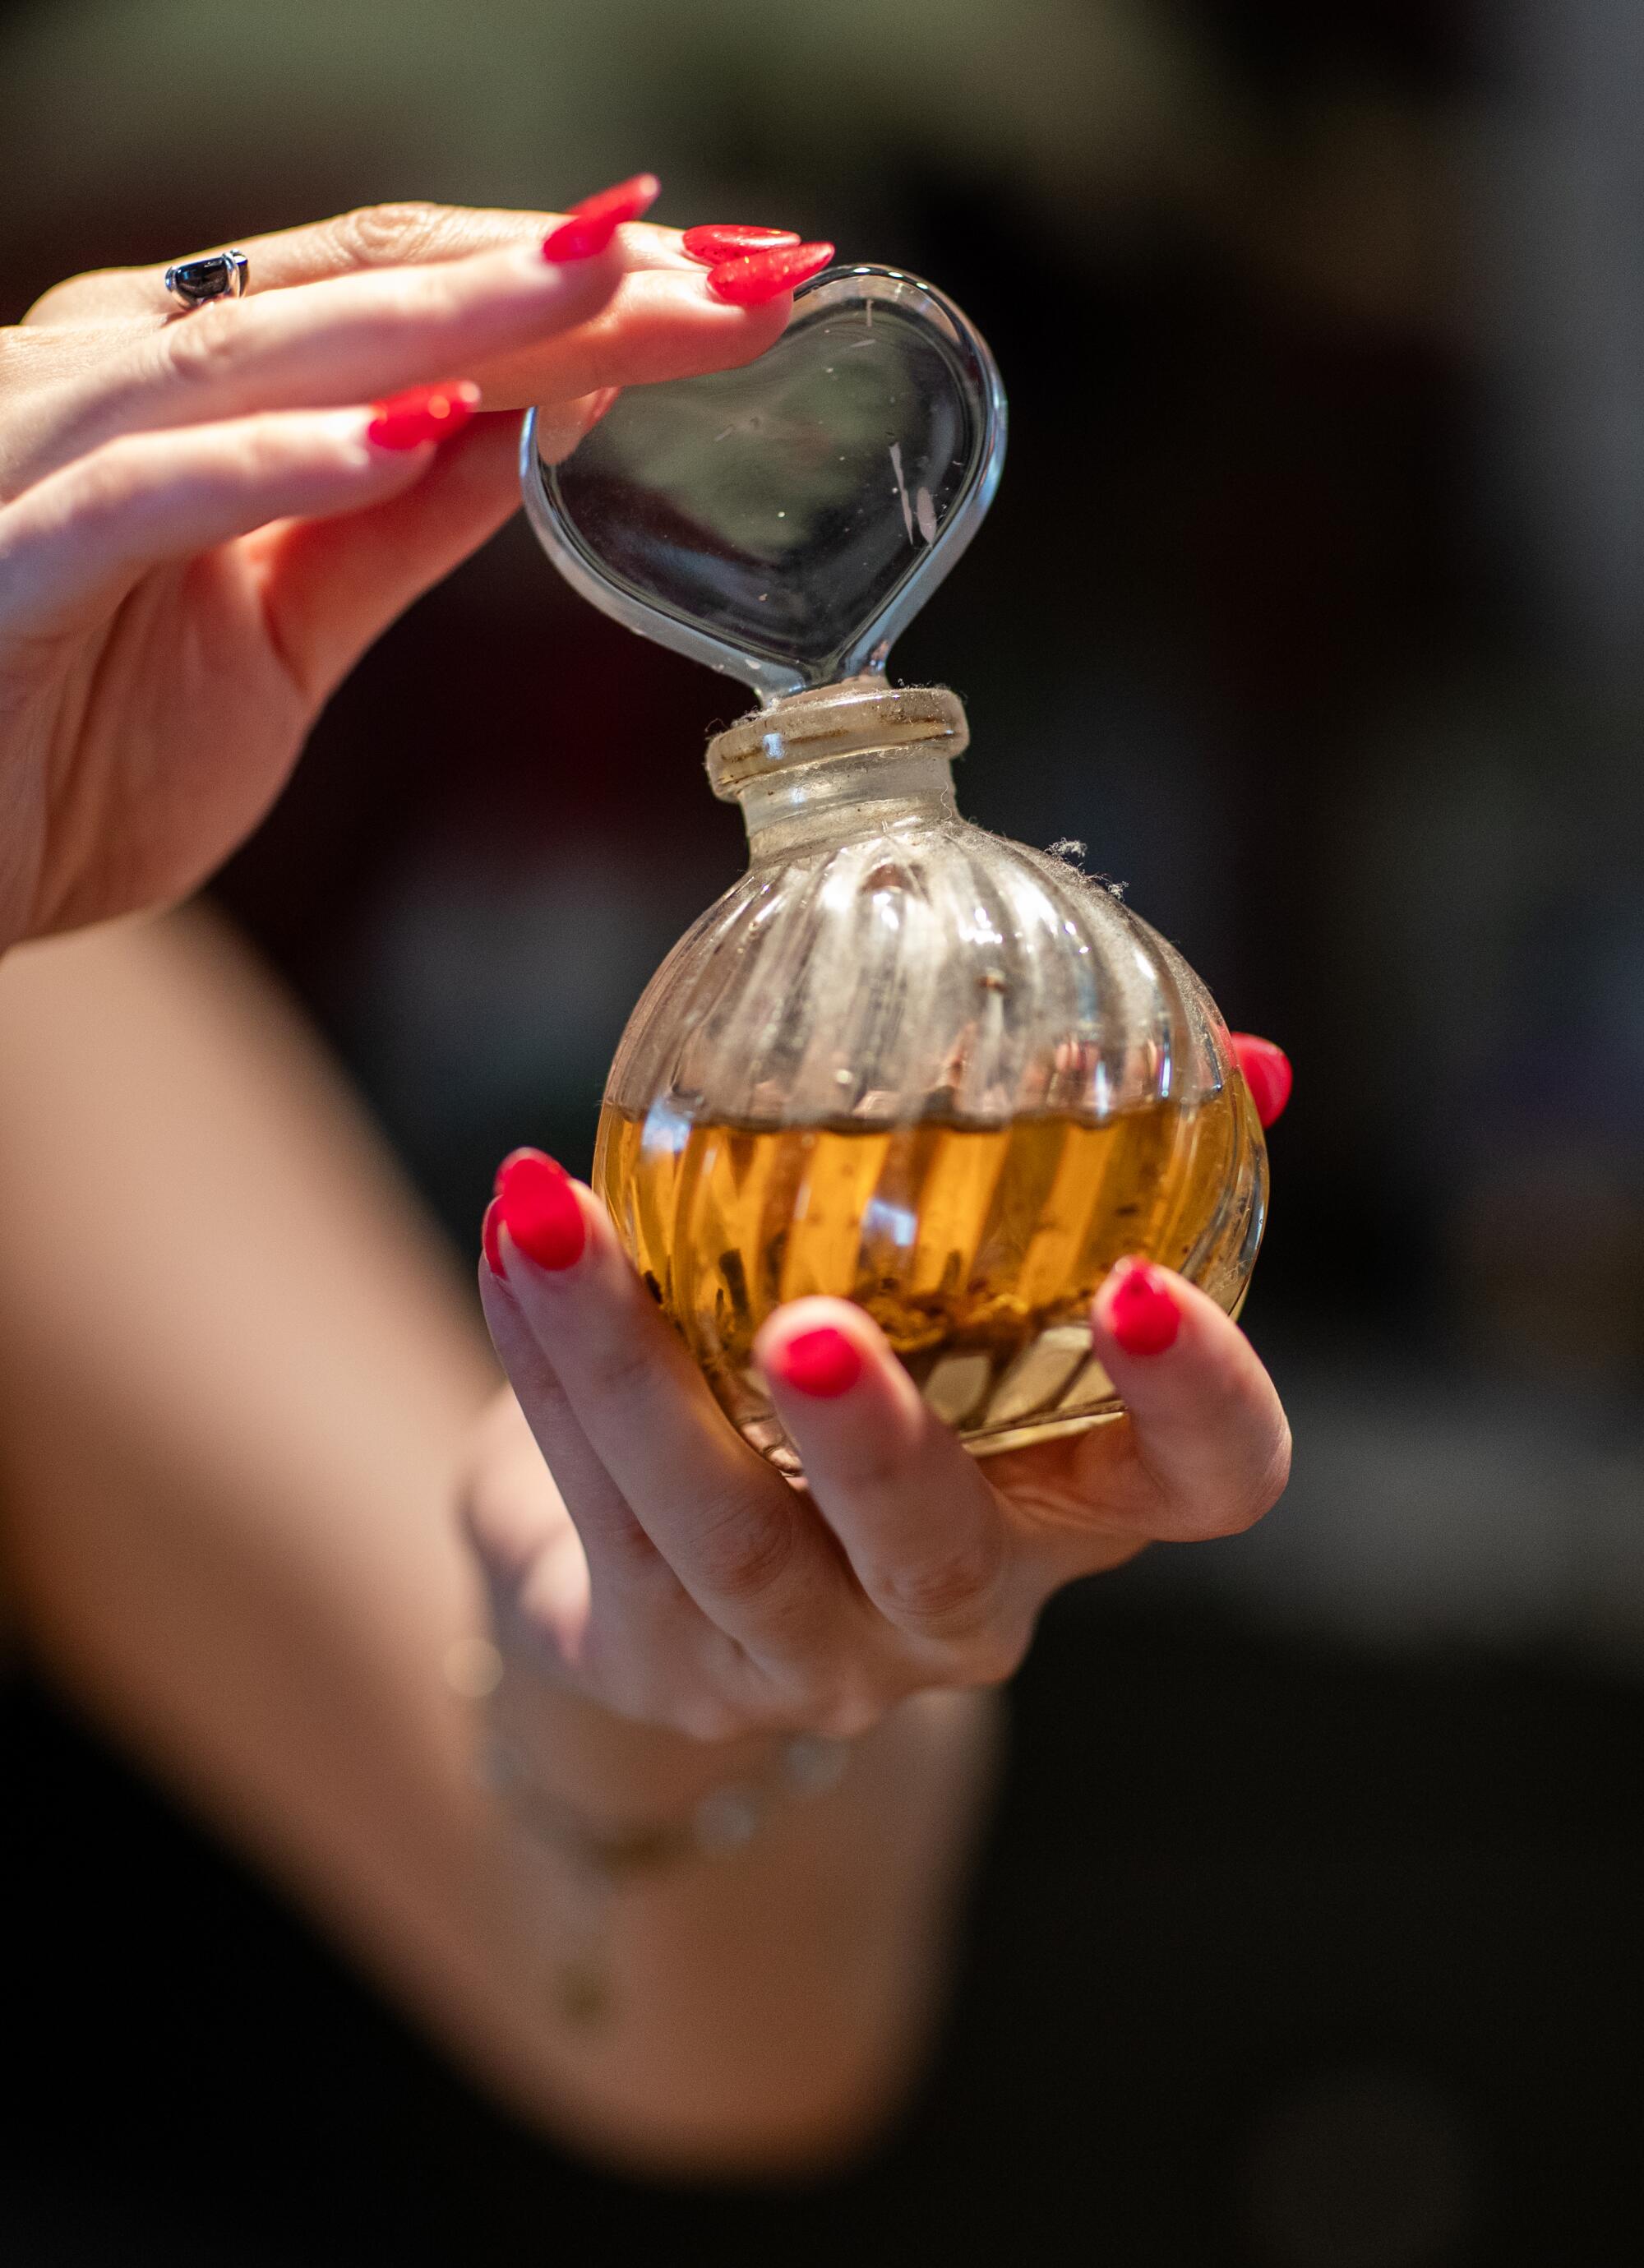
(838, 760)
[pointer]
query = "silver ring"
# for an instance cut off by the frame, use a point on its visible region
(218, 275)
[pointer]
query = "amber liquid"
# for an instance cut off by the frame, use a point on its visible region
(975, 1248)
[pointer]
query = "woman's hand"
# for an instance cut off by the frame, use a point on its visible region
(670, 1574)
(204, 519)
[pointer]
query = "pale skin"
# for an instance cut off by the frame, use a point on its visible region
(254, 1495)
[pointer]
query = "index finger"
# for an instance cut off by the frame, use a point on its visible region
(522, 327)
(410, 233)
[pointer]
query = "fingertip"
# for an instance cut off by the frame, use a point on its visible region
(538, 1204)
(1139, 1307)
(1267, 1073)
(822, 1363)
(838, 1383)
(754, 278)
(1206, 1425)
(1165, 1341)
(810, 1317)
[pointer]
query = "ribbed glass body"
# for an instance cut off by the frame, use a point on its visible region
(914, 1065)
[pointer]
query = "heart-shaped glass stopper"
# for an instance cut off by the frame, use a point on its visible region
(785, 521)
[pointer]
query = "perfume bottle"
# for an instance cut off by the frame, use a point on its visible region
(903, 1061)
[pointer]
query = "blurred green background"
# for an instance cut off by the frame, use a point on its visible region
(1311, 602)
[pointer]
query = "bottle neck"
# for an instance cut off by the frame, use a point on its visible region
(845, 797)
(840, 760)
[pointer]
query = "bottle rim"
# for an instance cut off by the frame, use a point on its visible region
(858, 717)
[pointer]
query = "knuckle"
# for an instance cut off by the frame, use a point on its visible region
(104, 484)
(949, 1596)
(371, 236)
(746, 1548)
(264, 451)
(617, 1368)
(207, 343)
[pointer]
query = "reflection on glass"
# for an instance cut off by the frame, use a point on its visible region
(784, 520)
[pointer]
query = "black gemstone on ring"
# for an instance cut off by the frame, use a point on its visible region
(214, 277)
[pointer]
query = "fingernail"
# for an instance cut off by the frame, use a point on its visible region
(538, 1207)
(730, 240)
(1142, 1314)
(1267, 1073)
(422, 413)
(822, 1362)
(491, 1230)
(601, 400)
(761, 276)
(595, 221)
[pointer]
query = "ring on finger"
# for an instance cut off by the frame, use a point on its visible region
(215, 276)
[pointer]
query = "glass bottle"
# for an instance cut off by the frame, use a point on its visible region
(903, 1061)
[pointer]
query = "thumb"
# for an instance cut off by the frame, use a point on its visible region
(1207, 1435)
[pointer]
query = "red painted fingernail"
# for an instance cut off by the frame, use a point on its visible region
(1142, 1314)
(538, 1207)
(1267, 1073)
(730, 240)
(761, 276)
(491, 1230)
(595, 221)
(820, 1362)
(422, 413)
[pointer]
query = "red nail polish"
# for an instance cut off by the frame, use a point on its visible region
(761, 276)
(730, 240)
(490, 1234)
(422, 413)
(820, 1362)
(1267, 1073)
(1142, 1314)
(595, 221)
(538, 1207)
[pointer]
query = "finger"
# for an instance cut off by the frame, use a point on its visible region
(921, 1525)
(658, 326)
(73, 545)
(407, 235)
(746, 1545)
(1207, 1446)
(619, 1554)
(325, 343)
(536, 1565)
(624, 1622)
(1267, 1073)
(330, 587)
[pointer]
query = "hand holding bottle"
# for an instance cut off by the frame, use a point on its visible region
(668, 1573)
(206, 516)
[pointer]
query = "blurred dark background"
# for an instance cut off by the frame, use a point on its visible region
(1312, 603)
